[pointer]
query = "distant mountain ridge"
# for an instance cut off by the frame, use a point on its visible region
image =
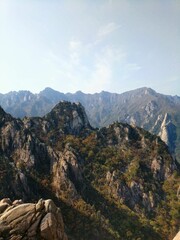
(143, 107)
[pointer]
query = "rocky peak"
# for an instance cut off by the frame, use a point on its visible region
(68, 118)
(52, 94)
(149, 91)
(4, 116)
(2, 112)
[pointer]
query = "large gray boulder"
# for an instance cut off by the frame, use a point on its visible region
(30, 221)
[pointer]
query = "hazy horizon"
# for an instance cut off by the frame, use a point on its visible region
(91, 46)
(21, 90)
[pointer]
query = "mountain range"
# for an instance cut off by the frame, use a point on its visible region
(145, 108)
(116, 182)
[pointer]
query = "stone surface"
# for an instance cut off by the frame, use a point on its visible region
(177, 237)
(42, 220)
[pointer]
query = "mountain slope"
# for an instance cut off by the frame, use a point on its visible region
(157, 113)
(117, 182)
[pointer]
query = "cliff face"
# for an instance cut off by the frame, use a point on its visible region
(111, 183)
(42, 220)
(168, 132)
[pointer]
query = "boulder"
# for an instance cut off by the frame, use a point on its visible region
(31, 221)
(177, 237)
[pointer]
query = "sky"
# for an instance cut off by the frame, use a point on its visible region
(90, 45)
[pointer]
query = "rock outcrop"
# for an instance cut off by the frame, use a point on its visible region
(177, 237)
(168, 132)
(67, 175)
(30, 221)
(68, 118)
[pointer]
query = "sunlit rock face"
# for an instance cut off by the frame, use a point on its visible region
(42, 220)
(168, 132)
(177, 237)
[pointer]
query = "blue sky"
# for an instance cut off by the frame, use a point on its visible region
(71, 45)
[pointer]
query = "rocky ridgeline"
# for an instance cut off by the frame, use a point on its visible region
(30, 221)
(142, 107)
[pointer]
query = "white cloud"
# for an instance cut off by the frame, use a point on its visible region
(52, 56)
(74, 45)
(107, 29)
(133, 67)
(174, 79)
(75, 48)
(102, 76)
(129, 69)
(90, 69)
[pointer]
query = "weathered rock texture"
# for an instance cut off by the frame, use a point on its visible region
(177, 237)
(30, 221)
